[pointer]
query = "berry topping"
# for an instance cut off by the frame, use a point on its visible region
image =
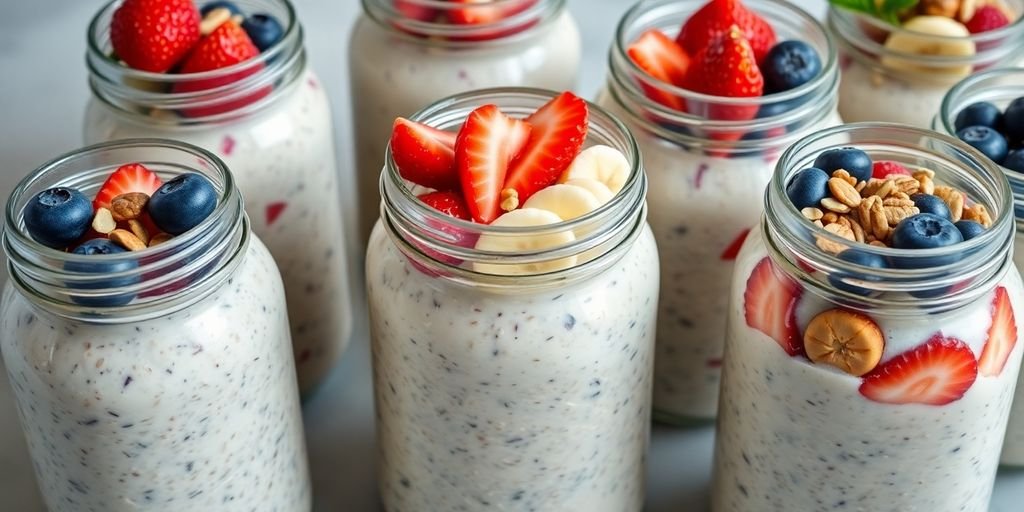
(925, 231)
(853, 160)
(969, 228)
(448, 203)
(715, 19)
(230, 6)
(415, 11)
(154, 35)
(885, 168)
(127, 178)
(808, 187)
(101, 247)
(987, 17)
(981, 113)
(663, 59)
(264, 30)
(558, 130)
(98, 246)
(727, 67)
(182, 203)
(862, 258)
(424, 155)
(1013, 120)
(846, 340)
(934, 205)
(1002, 336)
(769, 304)
(733, 249)
(987, 140)
(484, 148)
(935, 373)
(226, 46)
(486, 14)
(789, 65)
(57, 217)
(1014, 160)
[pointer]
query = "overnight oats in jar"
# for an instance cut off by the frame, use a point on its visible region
(406, 54)
(872, 348)
(709, 148)
(145, 335)
(512, 316)
(987, 111)
(897, 65)
(239, 86)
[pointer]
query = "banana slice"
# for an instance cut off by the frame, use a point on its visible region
(566, 201)
(525, 217)
(846, 340)
(600, 190)
(930, 35)
(602, 163)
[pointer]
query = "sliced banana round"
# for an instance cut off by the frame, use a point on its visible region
(525, 217)
(930, 36)
(846, 340)
(566, 201)
(602, 163)
(600, 190)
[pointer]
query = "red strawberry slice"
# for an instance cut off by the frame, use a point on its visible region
(424, 155)
(986, 18)
(726, 67)
(490, 12)
(882, 168)
(769, 305)
(559, 128)
(484, 148)
(664, 60)
(453, 205)
(936, 373)
(414, 10)
(154, 35)
(715, 18)
(730, 252)
(1002, 336)
(448, 203)
(273, 211)
(127, 178)
(226, 46)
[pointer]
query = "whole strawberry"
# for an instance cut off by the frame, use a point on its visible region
(715, 18)
(726, 67)
(226, 46)
(154, 35)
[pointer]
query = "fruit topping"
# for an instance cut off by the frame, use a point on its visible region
(154, 35)
(882, 169)
(1013, 119)
(842, 280)
(852, 160)
(930, 36)
(264, 30)
(182, 203)
(663, 59)
(230, 6)
(789, 65)
(969, 228)
(927, 203)
(938, 372)
(424, 155)
(808, 187)
(987, 17)
(126, 179)
(987, 140)
(101, 247)
(566, 201)
(981, 113)
(716, 18)
(769, 305)
(925, 231)
(1014, 160)
(733, 249)
(57, 217)
(484, 149)
(603, 164)
(526, 243)
(851, 342)
(448, 203)
(1002, 336)
(727, 67)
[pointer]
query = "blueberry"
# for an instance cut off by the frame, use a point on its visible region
(864, 259)
(182, 203)
(925, 231)
(981, 113)
(58, 216)
(807, 187)
(100, 247)
(855, 161)
(264, 30)
(1014, 160)
(986, 140)
(1013, 120)
(928, 203)
(213, 5)
(969, 229)
(789, 65)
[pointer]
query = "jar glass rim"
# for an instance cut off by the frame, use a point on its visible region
(437, 33)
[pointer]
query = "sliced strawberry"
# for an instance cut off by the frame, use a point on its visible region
(882, 168)
(936, 373)
(484, 148)
(127, 178)
(453, 205)
(424, 155)
(448, 203)
(986, 18)
(273, 211)
(487, 14)
(664, 60)
(769, 304)
(726, 67)
(414, 10)
(559, 128)
(715, 18)
(154, 35)
(226, 46)
(730, 252)
(1002, 336)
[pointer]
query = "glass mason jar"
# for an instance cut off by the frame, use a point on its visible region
(273, 128)
(884, 84)
(525, 392)
(399, 65)
(707, 183)
(998, 86)
(802, 436)
(146, 380)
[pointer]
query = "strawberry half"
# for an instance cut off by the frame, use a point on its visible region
(127, 178)
(424, 155)
(664, 60)
(726, 67)
(883, 168)
(733, 250)
(769, 305)
(1002, 336)
(154, 35)
(448, 203)
(715, 19)
(226, 46)
(559, 128)
(484, 148)
(936, 373)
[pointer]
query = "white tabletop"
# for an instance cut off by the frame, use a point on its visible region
(42, 96)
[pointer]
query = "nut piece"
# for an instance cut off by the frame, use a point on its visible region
(139, 230)
(846, 340)
(213, 19)
(845, 176)
(128, 206)
(103, 221)
(509, 199)
(126, 239)
(159, 238)
(812, 213)
(844, 192)
(833, 205)
(836, 229)
(978, 213)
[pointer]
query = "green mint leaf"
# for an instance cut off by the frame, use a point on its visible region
(895, 7)
(866, 6)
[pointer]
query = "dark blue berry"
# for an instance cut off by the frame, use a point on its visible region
(969, 229)
(864, 259)
(1014, 160)
(986, 140)
(855, 161)
(925, 231)
(101, 247)
(57, 217)
(807, 187)
(981, 113)
(264, 30)
(214, 5)
(1013, 120)
(928, 203)
(182, 203)
(789, 65)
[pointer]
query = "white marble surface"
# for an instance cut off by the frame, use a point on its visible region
(42, 96)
